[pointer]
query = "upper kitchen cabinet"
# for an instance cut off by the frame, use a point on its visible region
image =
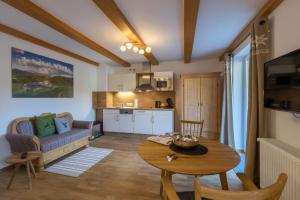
(121, 82)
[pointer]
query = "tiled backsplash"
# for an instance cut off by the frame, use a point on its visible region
(146, 99)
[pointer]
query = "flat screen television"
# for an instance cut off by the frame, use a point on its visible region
(282, 83)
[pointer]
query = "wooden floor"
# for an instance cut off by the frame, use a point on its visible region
(123, 175)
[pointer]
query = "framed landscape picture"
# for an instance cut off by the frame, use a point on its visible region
(39, 76)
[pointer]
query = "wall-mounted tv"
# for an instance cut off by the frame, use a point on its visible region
(282, 82)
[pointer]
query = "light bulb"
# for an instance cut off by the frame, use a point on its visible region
(148, 49)
(123, 48)
(135, 49)
(141, 51)
(129, 45)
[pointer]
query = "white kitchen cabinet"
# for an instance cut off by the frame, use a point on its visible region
(126, 123)
(143, 121)
(121, 82)
(162, 122)
(111, 118)
(157, 122)
(114, 82)
(128, 82)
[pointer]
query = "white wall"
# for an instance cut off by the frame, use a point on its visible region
(85, 81)
(178, 67)
(286, 38)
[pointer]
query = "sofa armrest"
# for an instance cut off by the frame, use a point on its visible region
(83, 124)
(23, 143)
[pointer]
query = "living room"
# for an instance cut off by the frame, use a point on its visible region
(122, 76)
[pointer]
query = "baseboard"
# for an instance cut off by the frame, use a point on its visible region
(5, 168)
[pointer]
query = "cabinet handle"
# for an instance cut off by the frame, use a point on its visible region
(152, 119)
(133, 118)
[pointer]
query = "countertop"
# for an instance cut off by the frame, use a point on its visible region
(132, 108)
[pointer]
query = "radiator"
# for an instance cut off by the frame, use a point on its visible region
(277, 157)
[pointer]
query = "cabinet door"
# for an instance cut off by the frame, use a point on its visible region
(143, 121)
(128, 82)
(210, 106)
(191, 99)
(114, 82)
(126, 123)
(163, 122)
(111, 120)
(122, 82)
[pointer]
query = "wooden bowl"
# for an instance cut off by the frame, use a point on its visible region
(185, 142)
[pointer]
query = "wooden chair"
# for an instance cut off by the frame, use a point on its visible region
(272, 192)
(193, 128)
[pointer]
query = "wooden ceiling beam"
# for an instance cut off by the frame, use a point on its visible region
(31, 9)
(266, 10)
(34, 40)
(191, 8)
(113, 12)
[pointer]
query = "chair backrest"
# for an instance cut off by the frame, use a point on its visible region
(273, 192)
(193, 128)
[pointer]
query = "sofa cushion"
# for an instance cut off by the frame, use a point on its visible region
(45, 125)
(62, 124)
(25, 128)
(51, 142)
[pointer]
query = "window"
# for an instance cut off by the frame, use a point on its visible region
(240, 81)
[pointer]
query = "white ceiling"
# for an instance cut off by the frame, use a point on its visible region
(158, 22)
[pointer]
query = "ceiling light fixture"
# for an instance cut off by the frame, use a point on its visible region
(136, 48)
(141, 51)
(123, 48)
(129, 45)
(148, 49)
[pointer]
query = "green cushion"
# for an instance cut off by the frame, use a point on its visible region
(45, 125)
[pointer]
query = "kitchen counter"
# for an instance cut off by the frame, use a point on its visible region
(132, 108)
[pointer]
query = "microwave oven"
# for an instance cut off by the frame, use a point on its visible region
(164, 81)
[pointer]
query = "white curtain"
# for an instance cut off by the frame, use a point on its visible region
(227, 134)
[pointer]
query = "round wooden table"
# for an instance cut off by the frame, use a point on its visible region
(218, 160)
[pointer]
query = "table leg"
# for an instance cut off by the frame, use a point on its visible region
(29, 175)
(163, 173)
(197, 186)
(223, 179)
(13, 175)
(32, 169)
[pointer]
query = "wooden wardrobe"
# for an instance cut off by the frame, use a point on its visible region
(201, 100)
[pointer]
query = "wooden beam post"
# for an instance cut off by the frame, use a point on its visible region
(191, 8)
(113, 12)
(34, 40)
(34, 11)
(266, 10)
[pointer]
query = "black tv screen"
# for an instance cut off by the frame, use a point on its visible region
(282, 82)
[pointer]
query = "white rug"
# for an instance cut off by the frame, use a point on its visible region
(80, 162)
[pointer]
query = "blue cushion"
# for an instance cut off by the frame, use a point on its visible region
(51, 142)
(62, 124)
(25, 128)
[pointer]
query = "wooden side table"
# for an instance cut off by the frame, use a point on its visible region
(16, 161)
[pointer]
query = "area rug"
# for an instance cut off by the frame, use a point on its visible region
(80, 162)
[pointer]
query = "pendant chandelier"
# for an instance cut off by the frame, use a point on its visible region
(135, 48)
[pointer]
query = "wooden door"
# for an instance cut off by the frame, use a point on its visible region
(209, 106)
(191, 99)
(201, 101)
